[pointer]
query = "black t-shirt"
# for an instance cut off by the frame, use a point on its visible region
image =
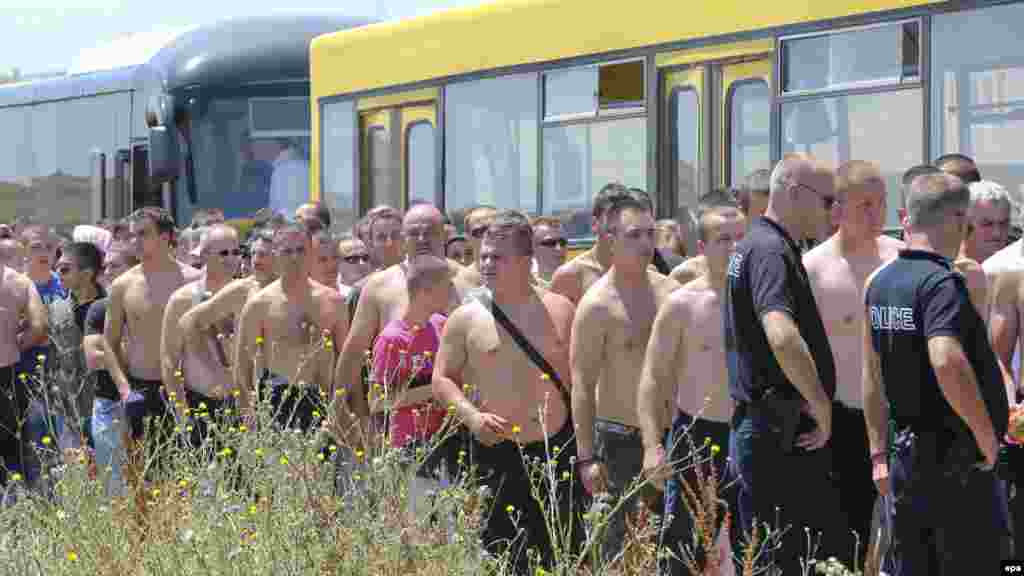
(910, 300)
(95, 320)
(765, 274)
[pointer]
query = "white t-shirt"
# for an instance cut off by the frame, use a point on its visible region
(289, 184)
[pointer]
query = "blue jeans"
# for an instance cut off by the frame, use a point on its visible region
(40, 422)
(622, 449)
(108, 427)
(783, 488)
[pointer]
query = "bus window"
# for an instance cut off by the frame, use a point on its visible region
(749, 112)
(490, 151)
(581, 158)
(686, 144)
(380, 159)
(877, 54)
(570, 92)
(338, 162)
(977, 91)
(884, 128)
(420, 161)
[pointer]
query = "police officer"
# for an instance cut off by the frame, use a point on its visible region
(781, 370)
(930, 371)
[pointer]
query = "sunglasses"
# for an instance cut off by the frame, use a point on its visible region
(552, 242)
(478, 232)
(299, 251)
(226, 253)
(356, 259)
(65, 269)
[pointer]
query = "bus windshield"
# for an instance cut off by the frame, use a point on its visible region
(249, 152)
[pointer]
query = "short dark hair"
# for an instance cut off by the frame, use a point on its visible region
(425, 271)
(323, 214)
(291, 227)
(607, 196)
(160, 218)
(710, 202)
(909, 176)
(86, 256)
(757, 182)
(960, 165)
(388, 213)
(515, 224)
(631, 202)
(930, 195)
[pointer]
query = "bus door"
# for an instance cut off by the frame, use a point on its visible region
(398, 155)
(715, 121)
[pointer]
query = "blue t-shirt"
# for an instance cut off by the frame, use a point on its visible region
(48, 292)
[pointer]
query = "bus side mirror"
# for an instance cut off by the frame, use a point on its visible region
(163, 154)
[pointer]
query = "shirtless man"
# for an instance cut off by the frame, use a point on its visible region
(837, 269)
(353, 263)
(293, 324)
(685, 361)
(549, 248)
(385, 233)
(196, 370)
(324, 259)
(384, 298)
(9, 253)
(610, 335)
(226, 304)
(513, 391)
(753, 201)
(475, 224)
(18, 298)
(576, 276)
(136, 311)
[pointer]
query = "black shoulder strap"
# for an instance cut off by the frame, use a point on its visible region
(536, 357)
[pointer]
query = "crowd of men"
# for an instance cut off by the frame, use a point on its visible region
(854, 388)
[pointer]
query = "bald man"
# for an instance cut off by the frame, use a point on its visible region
(204, 362)
(837, 269)
(781, 369)
(385, 297)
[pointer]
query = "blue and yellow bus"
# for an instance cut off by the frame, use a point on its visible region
(535, 104)
(201, 118)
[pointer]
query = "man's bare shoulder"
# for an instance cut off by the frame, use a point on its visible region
(969, 268)
(382, 278)
(597, 297)
(183, 293)
(189, 272)
(1005, 258)
(463, 277)
(821, 256)
(889, 246)
(464, 315)
(663, 285)
(679, 303)
(126, 280)
(266, 294)
(688, 269)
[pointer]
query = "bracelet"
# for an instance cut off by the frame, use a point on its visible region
(592, 459)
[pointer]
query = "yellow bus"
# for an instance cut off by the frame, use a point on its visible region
(535, 104)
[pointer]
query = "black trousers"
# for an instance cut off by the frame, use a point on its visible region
(851, 466)
(294, 406)
(13, 412)
(502, 469)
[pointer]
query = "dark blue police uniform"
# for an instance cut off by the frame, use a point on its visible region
(779, 483)
(943, 509)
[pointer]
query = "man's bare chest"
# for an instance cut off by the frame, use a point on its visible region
(704, 329)
(144, 303)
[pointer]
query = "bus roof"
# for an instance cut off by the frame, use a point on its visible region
(517, 32)
(231, 52)
(243, 51)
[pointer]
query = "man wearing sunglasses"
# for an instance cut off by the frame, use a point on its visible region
(549, 248)
(353, 263)
(223, 307)
(781, 369)
(203, 362)
(837, 269)
(287, 323)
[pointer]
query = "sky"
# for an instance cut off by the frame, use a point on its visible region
(47, 35)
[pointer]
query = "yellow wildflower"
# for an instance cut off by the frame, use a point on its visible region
(516, 429)
(16, 477)
(565, 475)
(253, 509)
(156, 492)
(47, 440)
(320, 456)
(715, 449)
(236, 393)
(259, 340)
(183, 483)
(258, 452)
(284, 460)
(72, 556)
(545, 376)
(243, 428)
(23, 376)
(510, 509)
